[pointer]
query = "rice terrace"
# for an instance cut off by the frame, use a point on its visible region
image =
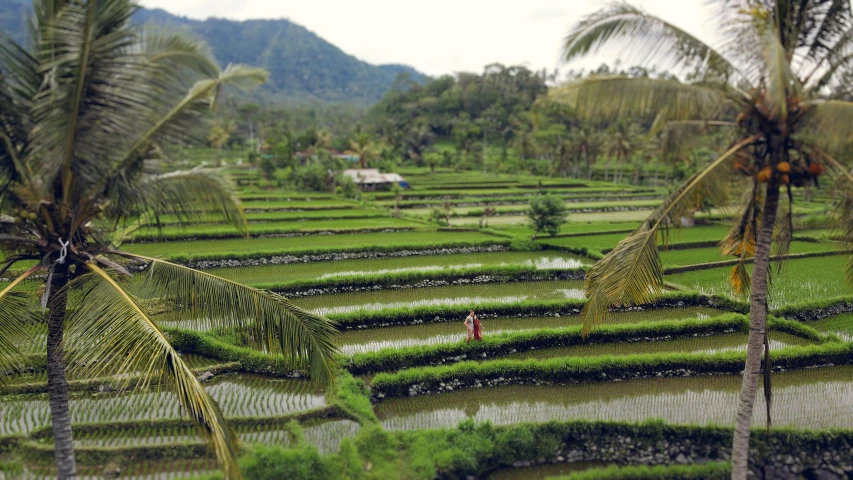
(230, 250)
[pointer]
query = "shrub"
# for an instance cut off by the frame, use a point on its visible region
(546, 214)
(274, 463)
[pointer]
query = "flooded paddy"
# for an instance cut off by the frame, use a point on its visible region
(378, 266)
(728, 342)
(704, 400)
(368, 340)
(238, 396)
(40, 376)
(841, 325)
(465, 296)
(325, 434)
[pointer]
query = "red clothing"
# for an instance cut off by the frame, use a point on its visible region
(478, 329)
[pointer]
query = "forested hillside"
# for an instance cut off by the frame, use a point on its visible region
(303, 67)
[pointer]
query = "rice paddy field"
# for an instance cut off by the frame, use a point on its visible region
(399, 287)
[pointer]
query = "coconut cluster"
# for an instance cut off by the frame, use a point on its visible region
(798, 173)
(21, 216)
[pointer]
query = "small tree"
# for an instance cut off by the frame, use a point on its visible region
(489, 211)
(437, 216)
(397, 190)
(267, 167)
(546, 214)
(433, 159)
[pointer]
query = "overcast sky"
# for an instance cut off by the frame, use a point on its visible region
(442, 36)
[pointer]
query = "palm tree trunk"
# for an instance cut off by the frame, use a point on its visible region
(757, 328)
(57, 384)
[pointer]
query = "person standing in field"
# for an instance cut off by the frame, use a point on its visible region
(469, 325)
(478, 328)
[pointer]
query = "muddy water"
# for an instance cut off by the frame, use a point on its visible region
(355, 341)
(818, 398)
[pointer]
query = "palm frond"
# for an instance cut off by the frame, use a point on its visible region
(14, 308)
(632, 273)
(828, 70)
(784, 232)
(169, 126)
(741, 238)
(177, 53)
(740, 280)
(268, 321)
(108, 329)
(88, 43)
(616, 97)
(828, 124)
(779, 78)
(645, 39)
(189, 195)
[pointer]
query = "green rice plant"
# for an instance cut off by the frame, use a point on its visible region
(270, 228)
(841, 325)
(463, 296)
(237, 395)
(707, 471)
(712, 233)
(801, 279)
(374, 267)
(357, 242)
(564, 370)
(433, 314)
(693, 256)
(726, 342)
(651, 331)
(392, 347)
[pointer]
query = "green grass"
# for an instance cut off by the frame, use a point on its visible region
(279, 245)
(693, 256)
(802, 280)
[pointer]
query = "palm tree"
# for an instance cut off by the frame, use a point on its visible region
(622, 141)
(775, 83)
(88, 114)
(363, 146)
(220, 135)
(586, 145)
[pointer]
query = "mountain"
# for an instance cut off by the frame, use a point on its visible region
(303, 67)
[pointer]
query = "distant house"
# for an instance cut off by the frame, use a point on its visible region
(369, 179)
